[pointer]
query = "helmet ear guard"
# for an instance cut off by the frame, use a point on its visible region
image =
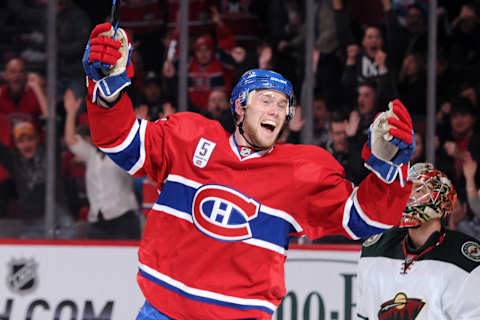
(258, 79)
(433, 196)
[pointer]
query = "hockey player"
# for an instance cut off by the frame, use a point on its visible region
(421, 270)
(215, 243)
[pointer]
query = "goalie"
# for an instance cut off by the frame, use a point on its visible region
(421, 270)
(216, 239)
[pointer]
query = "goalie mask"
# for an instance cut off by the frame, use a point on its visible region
(433, 195)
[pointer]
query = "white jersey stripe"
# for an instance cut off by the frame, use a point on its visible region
(182, 180)
(346, 216)
(126, 142)
(173, 212)
(205, 293)
(364, 217)
(139, 164)
(266, 245)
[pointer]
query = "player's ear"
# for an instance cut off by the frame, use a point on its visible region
(239, 109)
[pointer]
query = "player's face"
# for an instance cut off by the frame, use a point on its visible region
(420, 194)
(264, 117)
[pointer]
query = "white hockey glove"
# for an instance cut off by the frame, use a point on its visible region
(107, 63)
(391, 143)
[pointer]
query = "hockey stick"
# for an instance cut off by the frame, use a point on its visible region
(115, 15)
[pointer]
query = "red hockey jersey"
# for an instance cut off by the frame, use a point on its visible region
(215, 242)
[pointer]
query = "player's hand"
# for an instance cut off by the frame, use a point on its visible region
(391, 143)
(106, 61)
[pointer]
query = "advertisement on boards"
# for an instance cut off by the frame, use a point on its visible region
(78, 281)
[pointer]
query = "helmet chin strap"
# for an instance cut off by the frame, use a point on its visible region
(242, 132)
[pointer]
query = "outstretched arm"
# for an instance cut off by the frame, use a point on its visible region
(336, 206)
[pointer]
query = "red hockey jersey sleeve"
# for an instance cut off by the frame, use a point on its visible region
(336, 206)
(121, 136)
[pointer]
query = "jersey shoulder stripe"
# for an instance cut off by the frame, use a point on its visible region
(356, 223)
(130, 153)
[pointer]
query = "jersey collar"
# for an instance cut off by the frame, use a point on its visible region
(244, 152)
(411, 255)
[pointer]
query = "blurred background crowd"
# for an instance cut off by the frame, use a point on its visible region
(366, 52)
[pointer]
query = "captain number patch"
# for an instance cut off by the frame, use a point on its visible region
(203, 152)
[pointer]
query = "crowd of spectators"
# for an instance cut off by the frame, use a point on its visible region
(364, 56)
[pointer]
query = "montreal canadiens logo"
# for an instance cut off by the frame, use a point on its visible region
(223, 213)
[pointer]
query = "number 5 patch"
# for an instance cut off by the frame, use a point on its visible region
(203, 152)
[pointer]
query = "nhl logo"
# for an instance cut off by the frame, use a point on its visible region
(245, 151)
(22, 276)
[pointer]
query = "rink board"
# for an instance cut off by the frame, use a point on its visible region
(88, 280)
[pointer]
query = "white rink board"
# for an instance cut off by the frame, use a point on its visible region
(81, 281)
(71, 277)
(327, 277)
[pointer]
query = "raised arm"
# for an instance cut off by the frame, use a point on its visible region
(337, 206)
(35, 83)
(133, 144)
(383, 195)
(114, 127)
(71, 108)
(470, 168)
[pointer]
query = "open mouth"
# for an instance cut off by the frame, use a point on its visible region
(268, 125)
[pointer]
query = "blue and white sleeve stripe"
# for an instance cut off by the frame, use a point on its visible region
(356, 223)
(130, 153)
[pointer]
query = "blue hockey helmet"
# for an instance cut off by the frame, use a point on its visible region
(256, 79)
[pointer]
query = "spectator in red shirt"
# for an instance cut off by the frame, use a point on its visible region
(205, 73)
(22, 97)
